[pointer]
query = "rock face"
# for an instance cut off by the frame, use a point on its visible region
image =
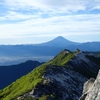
(91, 89)
(62, 83)
(85, 63)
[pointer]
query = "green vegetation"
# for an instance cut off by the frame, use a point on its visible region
(43, 97)
(31, 80)
(28, 98)
(63, 58)
(24, 84)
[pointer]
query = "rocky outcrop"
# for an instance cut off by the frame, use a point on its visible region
(84, 63)
(87, 88)
(91, 89)
(61, 83)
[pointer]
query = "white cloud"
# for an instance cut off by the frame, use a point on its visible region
(36, 8)
(53, 5)
(24, 18)
(16, 16)
(65, 25)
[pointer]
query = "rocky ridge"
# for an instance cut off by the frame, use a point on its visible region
(62, 79)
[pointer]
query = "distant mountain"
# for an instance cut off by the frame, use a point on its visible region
(61, 78)
(90, 46)
(59, 42)
(9, 74)
(10, 54)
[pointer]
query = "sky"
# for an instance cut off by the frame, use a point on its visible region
(37, 21)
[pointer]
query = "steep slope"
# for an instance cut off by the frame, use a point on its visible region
(58, 79)
(86, 63)
(91, 89)
(9, 74)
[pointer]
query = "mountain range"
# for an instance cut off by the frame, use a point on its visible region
(61, 78)
(14, 54)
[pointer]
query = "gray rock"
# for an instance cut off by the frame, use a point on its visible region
(88, 85)
(87, 88)
(91, 89)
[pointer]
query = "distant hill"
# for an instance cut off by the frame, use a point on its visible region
(88, 46)
(9, 74)
(61, 78)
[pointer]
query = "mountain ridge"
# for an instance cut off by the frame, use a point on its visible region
(45, 81)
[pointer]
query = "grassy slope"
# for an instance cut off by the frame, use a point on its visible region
(24, 84)
(29, 81)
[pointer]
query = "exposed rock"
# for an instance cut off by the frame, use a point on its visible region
(66, 82)
(62, 78)
(82, 64)
(87, 88)
(92, 89)
(62, 83)
(31, 92)
(88, 85)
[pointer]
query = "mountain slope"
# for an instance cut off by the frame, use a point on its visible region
(58, 79)
(9, 74)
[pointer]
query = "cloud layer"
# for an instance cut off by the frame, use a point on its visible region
(54, 4)
(30, 19)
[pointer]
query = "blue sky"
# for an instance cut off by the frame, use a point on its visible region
(36, 21)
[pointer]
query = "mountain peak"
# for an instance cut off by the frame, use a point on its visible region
(59, 37)
(59, 42)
